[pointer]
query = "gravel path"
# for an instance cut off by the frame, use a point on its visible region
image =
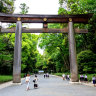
(53, 86)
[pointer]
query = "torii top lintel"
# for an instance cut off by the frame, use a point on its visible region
(30, 18)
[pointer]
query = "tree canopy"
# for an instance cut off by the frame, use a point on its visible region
(55, 45)
(7, 6)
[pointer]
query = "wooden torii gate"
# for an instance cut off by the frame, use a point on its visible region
(45, 19)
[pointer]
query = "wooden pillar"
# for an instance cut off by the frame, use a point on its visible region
(72, 53)
(17, 53)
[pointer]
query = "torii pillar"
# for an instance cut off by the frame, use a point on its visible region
(72, 53)
(17, 53)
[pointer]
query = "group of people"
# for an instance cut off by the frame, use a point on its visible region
(83, 78)
(46, 75)
(67, 77)
(28, 81)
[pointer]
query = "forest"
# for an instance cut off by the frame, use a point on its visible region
(55, 57)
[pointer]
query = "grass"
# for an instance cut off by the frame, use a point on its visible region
(88, 75)
(60, 74)
(6, 78)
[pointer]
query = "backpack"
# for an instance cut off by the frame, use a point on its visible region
(34, 80)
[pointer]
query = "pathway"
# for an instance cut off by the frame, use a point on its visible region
(53, 86)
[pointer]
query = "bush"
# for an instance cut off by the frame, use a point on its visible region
(86, 62)
(4, 78)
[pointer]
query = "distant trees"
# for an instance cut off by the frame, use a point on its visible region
(6, 47)
(56, 54)
(6, 54)
(29, 52)
(29, 48)
(56, 48)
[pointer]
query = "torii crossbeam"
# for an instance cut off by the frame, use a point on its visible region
(45, 19)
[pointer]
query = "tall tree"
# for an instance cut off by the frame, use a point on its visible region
(83, 41)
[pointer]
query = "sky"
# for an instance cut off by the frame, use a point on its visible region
(39, 6)
(49, 7)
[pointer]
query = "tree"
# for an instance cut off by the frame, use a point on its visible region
(29, 52)
(24, 8)
(83, 41)
(87, 62)
(6, 55)
(56, 49)
(7, 6)
(6, 47)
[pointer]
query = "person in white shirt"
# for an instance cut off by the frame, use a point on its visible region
(86, 80)
(27, 81)
(63, 76)
(68, 77)
(81, 77)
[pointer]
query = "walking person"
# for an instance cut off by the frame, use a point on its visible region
(94, 80)
(81, 78)
(85, 79)
(35, 82)
(44, 75)
(68, 77)
(47, 74)
(27, 81)
(63, 76)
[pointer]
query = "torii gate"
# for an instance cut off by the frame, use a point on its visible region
(45, 19)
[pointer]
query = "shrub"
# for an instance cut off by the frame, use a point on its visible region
(86, 62)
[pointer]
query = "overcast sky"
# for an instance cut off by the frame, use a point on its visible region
(39, 7)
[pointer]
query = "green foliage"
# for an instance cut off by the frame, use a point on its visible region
(6, 55)
(62, 11)
(56, 50)
(60, 74)
(39, 62)
(5, 78)
(29, 49)
(24, 8)
(83, 41)
(7, 6)
(78, 6)
(29, 52)
(88, 5)
(87, 61)
(89, 76)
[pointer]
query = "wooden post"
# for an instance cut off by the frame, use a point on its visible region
(72, 53)
(17, 53)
